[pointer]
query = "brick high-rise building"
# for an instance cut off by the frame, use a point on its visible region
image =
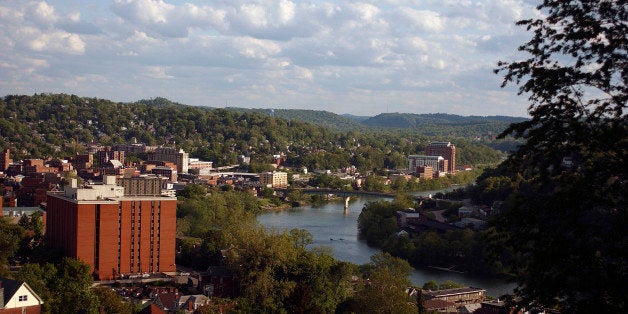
(446, 150)
(116, 234)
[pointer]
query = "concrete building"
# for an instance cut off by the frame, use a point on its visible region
(437, 163)
(171, 154)
(141, 186)
(447, 150)
(200, 167)
(275, 179)
(114, 233)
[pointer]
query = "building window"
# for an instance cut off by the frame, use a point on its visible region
(23, 298)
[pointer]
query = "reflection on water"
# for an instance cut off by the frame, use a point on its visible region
(331, 226)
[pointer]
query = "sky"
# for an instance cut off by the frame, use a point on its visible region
(346, 57)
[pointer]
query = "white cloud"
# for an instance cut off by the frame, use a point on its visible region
(262, 52)
(256, 48)
(422, 20)
(157, 72)
(44, 12)
(57, 41)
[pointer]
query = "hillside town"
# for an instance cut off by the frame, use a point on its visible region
(98, 203)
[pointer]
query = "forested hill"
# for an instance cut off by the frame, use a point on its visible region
(431, 121)
(434, 124)
(323, 118)
(407, 120)
(58, 125)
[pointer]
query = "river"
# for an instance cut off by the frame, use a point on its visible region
(331, 227)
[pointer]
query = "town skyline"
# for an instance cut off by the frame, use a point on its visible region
(345, 57)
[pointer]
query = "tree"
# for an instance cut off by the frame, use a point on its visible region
(72, 288)
(384, 292)
(571, 214)
(192, 190)
(10, 235)
(110, 302)
(301, 237)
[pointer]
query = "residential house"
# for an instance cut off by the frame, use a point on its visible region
(191, 303)
(18, 297)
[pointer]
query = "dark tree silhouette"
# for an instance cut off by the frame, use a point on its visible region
(567, 221)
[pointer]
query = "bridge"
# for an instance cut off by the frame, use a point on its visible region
(342, 192)
(346, 194)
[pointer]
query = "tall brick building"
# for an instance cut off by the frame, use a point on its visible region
(446, 150)
(116, 234)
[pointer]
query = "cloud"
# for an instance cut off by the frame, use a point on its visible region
(43, 12)
(58, 42)
(362, 54)
(422, 20)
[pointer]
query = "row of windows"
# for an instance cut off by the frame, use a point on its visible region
(139, 231)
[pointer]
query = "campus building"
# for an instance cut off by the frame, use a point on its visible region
(116, 234)
(275, 179)
(178, 157)
(447, 150)
(421, 163)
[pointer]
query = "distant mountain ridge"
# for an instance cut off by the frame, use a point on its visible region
(409, 120)
(319, 117)
(434, 124)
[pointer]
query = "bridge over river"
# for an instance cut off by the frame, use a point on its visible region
(346, 194)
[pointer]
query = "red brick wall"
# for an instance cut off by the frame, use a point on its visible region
(108, 242)
(61, 225)
(125, 236)
(168, 230)
(35, 309)
(85, 233)
(72, 228)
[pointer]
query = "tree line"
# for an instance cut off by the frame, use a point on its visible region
(56, 125)
(279, 271)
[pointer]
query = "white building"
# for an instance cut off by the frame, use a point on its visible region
(275, 179)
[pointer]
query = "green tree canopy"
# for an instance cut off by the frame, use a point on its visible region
(567, 220)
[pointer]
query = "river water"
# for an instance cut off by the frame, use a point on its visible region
(330, 226)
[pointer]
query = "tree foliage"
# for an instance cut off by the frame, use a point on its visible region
(567, 219)
(65, 288)
(10, 236)
(384, 292)
(55, 125)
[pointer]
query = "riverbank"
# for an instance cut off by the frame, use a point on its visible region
(330, 221)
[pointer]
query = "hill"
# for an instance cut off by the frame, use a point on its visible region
(322, 118)
(60, 125)
(409, 120)
(435, 124)
(441, 124)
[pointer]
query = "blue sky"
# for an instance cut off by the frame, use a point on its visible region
(357, 57)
